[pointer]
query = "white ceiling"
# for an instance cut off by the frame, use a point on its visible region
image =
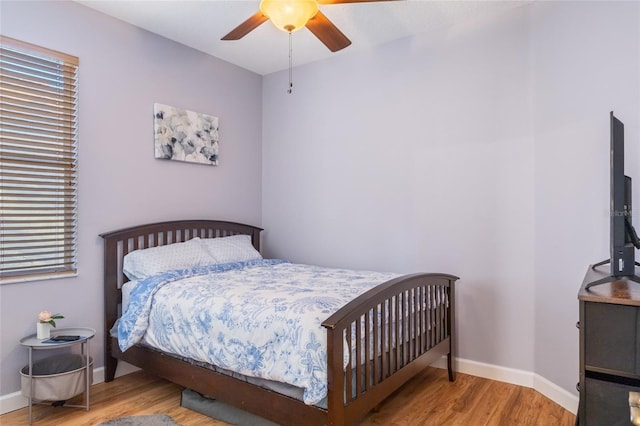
(201, 23)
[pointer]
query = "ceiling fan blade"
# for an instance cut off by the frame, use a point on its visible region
(246, 27)
(327, 33)
(349, 1)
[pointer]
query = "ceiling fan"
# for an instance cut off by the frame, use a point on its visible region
(292, 15)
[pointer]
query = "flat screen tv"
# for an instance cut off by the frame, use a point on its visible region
(623, 237)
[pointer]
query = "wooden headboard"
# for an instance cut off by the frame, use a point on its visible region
(118, 243)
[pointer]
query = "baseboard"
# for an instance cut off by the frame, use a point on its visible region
(12, 401)
(560, 396)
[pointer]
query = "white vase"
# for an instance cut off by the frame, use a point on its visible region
(43, 330)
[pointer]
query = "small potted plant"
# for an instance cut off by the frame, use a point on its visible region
(46, 320)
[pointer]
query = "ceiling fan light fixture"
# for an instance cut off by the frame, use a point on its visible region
(289, 15)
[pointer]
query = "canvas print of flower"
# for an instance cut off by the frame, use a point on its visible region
(185, 135)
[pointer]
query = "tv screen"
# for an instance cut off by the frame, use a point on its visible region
(623, 237)
(622, 249)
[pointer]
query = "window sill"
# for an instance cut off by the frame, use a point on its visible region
(43, 277)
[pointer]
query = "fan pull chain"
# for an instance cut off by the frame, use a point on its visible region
(290, 65)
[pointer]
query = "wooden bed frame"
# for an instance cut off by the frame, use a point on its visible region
(430, 333)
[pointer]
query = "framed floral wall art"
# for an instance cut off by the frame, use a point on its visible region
(184, 135)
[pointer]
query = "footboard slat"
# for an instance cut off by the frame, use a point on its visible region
(368, 353)
(385, 344)
(348, 372)
(358, 354)
(441, 322)
(432, 330)
(377, 344)
(397, 341)
(416, 326)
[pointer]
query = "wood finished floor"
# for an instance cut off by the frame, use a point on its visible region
(428, 399)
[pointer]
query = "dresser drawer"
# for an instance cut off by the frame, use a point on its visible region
(607, 403)
(611, 338)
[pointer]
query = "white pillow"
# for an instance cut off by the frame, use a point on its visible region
(143, 263)
(236, 248)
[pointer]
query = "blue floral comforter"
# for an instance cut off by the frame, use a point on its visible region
(260, 318)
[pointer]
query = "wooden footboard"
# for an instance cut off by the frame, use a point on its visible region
(400, 327)
(392, 331)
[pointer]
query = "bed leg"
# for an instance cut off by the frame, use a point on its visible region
(451, 328)
(110, 365)
(452, 373)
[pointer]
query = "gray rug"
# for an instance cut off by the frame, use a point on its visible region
(151, 420)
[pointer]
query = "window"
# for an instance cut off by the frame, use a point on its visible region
(38, 162)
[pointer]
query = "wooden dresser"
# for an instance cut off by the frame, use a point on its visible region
(609, 349)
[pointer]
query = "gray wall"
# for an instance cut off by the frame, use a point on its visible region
(123, 71)
(586, 64)
(482, 152)
(416, 156)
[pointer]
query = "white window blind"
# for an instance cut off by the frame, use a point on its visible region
(38, 162)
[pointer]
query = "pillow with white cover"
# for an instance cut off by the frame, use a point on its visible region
(143, 263)
(235, 248)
